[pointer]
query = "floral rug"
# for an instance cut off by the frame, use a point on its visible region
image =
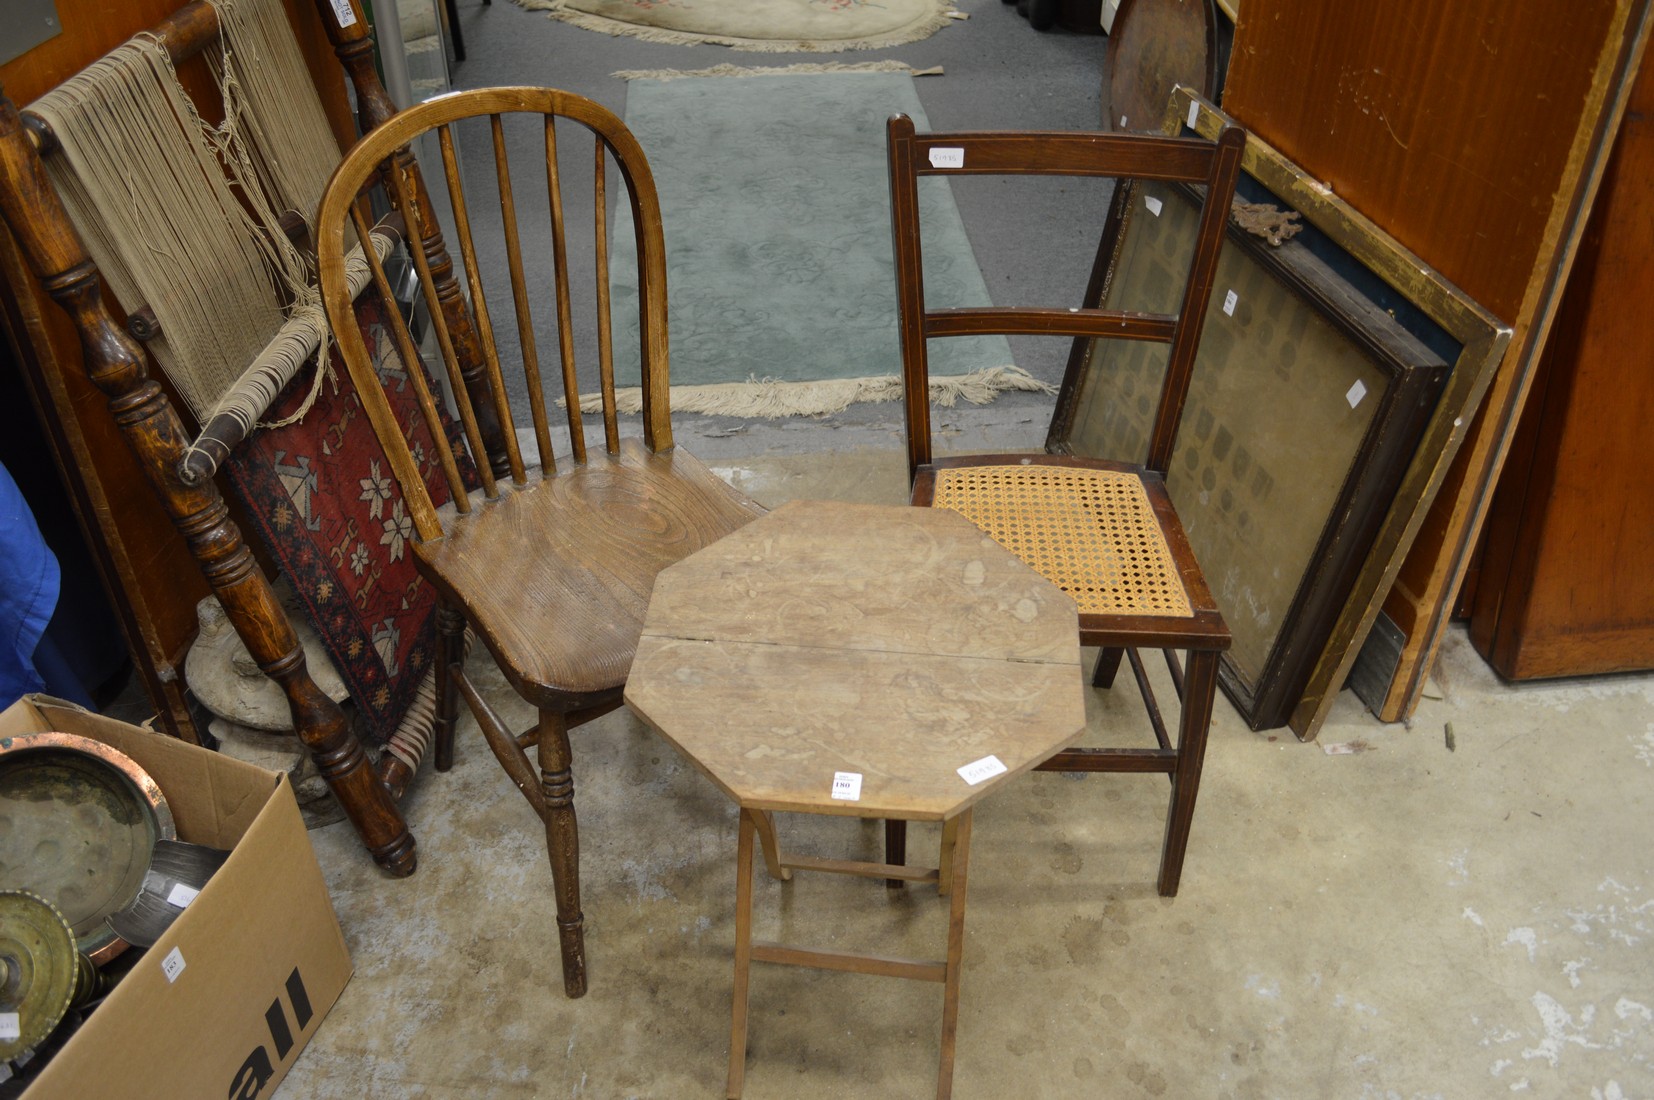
(769, 25)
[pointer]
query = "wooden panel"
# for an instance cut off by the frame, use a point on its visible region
(156, 581)
(1496, 113)
(1567, 584)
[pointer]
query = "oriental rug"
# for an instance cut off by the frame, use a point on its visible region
(787, 26)
(322, 495)
(781, 286)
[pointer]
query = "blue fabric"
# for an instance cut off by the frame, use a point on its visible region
(28, 592)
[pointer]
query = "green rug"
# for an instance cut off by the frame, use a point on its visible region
(778, 25)
(780, 282)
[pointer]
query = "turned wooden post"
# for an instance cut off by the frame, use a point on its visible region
(354, 47)
(115, 363)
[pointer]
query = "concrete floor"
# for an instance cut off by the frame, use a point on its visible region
(1409, 920)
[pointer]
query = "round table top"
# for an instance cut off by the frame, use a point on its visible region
(864, 660)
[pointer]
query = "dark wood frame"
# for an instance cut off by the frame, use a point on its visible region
(1481, 336)
(1414, 377)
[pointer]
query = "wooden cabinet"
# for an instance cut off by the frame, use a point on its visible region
(1566, 586)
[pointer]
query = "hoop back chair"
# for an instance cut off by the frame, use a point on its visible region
(1104, 531)
(551, 566)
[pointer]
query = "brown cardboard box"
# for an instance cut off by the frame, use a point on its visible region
(263, 959)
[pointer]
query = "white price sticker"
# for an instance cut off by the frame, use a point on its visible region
(978, 770)
(847, 786)
(1194, 113)
(181, 895)
(173, 965)
(11, 1026)
(344, 13)
(950, 157)
(1357, 392)
(1230, 301)
(1153, 204)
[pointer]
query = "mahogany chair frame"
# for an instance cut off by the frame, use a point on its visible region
(1201, 633)
(551, 567)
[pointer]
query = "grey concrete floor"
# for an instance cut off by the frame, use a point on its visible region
(1408, 920)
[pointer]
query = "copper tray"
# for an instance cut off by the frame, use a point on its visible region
(78, 825)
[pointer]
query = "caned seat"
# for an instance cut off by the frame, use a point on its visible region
(551, 564)
(1103, 530)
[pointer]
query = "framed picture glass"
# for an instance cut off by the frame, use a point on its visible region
(1306, 405)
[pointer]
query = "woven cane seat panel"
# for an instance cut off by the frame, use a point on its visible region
(1092, 533)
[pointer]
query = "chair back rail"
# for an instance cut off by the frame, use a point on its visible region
(611, 142)
(1215, 165)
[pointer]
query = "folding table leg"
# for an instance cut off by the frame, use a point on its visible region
(771, 845)
(956, 948)
(743, 958)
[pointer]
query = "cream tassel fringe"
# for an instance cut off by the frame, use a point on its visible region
(559, 9)
(768, 398)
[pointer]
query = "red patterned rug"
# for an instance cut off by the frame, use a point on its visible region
(323, 497)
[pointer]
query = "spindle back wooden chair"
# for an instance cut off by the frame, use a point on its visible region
(552, 567)
(1103, 531)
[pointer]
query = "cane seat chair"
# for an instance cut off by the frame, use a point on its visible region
(552, 566)
(1104, 531)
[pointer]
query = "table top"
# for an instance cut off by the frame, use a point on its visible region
(895, 644)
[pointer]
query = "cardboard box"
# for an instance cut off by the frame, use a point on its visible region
(261, 955)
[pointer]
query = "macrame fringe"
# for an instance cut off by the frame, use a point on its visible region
(804, 69)
(184, 217)
(767, 398)
(559, 9)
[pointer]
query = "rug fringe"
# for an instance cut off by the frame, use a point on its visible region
(805, 69)
(767, 398)
(559, 10)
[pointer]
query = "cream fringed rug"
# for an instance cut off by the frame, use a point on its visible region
(824, 26)
(781, 287)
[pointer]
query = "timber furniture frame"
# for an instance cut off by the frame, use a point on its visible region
(158, 438)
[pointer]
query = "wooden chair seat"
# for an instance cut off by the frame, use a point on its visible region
(615, 522)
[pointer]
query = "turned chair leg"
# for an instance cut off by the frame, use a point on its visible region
(1195, 721)
(563, 847)
(450, 651)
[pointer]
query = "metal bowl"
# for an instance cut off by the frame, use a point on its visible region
(78, 826)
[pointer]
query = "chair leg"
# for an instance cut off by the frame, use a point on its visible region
(450, 651)
(895, 848)
(563, 846)
(1108, 664)
(1200, 686)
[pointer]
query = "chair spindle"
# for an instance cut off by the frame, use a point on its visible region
(519, 295)
(479, 301)
(565, 322)
(605, 342)
(378, 409)
(444, 338)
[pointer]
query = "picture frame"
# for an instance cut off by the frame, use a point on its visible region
(1306, 403)
(1390, 275)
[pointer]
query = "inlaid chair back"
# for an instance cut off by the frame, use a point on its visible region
(551, 567)
(1103, 530)
(616, 156)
